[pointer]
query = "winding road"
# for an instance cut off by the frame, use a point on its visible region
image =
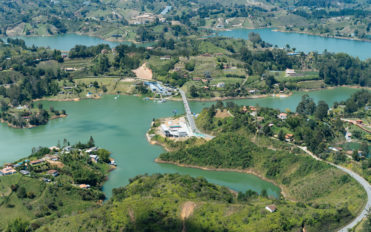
(361, 181)
(354, 175)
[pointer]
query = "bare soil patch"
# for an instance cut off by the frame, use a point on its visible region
(143, 72)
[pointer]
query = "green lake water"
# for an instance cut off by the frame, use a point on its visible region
(305, 42)
(120, 126)
(302, 42)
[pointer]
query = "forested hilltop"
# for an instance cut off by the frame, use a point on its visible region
(147, 20)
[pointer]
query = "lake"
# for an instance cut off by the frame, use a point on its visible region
(67, 41)
(302, 42)
(120, 126)
(305, 42)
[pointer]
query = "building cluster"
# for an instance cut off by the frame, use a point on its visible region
(53, 158)
(149, 17)
(146, 18)
(158, 88)
(177, 128)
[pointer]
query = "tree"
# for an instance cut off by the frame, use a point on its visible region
(21, 192)
(193, 91)
(364, 148)
(355, 155)
(18, 225)
(321, 110)
(267, 130)
(4, 106)
(219, 104)
(281, 135)
(255, 37)
(91, 142)
(190, 66)
(270, 81)
(104, 155)
(264, 193)
(306, 106)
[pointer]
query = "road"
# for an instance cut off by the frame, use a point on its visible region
(354, 122)
(361, 181)
(190, 118)
(357, 177)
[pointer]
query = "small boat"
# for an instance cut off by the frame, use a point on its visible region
(116, 97)
(161, 101)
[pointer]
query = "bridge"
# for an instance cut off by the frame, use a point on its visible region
(190, 118)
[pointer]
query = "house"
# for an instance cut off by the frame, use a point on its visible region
(113, 162)
(282, 116)
(8, 171)
(252, 91)
(54, 148)
(51, 157)
(289, 137)
(67, 149)
(94, 158)
(359, 121)
(244, 109)
(24, 172)
(252, 108)
(220, 85)
(290, 72)
(165, 57)
(34, 162)
(196, 78)
(53, 173)
(84, 186)
(92, 149)
(271, 208)
(46, 180)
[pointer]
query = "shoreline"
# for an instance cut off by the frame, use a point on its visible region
(280, 29)
(283, 191)
(174, 98)
(29, 126)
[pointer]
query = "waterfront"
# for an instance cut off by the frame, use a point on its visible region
(120, 126)
(305, 42)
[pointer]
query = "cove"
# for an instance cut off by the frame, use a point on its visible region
(304, 42)
(120, 126)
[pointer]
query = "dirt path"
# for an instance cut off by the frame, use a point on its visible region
(187, 211)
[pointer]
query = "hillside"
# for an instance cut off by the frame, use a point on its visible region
(172, 202)
(51, 183)
(126, 20)
(337, 197)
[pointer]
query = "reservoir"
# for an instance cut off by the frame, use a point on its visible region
(120, 126)
(302, 42)
(306, 43)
